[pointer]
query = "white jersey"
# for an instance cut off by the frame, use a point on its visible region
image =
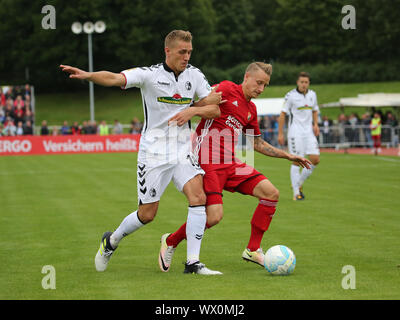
(300, 108)
(163, 96)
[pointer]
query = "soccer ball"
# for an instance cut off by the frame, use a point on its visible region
(279, 260)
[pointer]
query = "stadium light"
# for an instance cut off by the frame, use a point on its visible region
(88, 28)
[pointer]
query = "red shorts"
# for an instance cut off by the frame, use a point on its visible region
(235, 177)
(377, 141)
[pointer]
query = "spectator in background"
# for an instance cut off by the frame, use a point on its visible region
(2, 114)
(65, 129)
(54, 131)
(9, 110)
(353, 131)
(28, 129)
(29, 116)
(27, 90)
(342, 122)
(117, 129)
(28, 102)
(2, 98)
(75, 129)
(84, 127)
(92, 128)
(10, 93)
(18, 101)
(19, 113)
(376, 130)
(365, 121)
(326, 131)
(20, 129)
(1, 128)
(103, 129)
(44, 130)
(266, 124)
(136, 126)
(261, 124)
(9, 127)
(274, 131)
(393, 123)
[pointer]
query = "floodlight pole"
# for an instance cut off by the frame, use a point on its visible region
(89, 28)
(91, 86)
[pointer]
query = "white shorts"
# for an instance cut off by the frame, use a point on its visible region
(153, 180)
(303, 145)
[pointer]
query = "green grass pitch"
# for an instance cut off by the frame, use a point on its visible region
(54, 210)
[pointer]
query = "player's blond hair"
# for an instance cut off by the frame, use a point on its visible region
(175, 35)
(267, 68)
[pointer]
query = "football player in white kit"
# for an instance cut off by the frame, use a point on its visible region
(302, 107)
(168, 90)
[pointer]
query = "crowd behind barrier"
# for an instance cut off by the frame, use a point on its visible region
(16, 110)
(17, 118)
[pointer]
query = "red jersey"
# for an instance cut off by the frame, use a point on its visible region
(216, 138)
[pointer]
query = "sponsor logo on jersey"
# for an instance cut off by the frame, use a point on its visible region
(175, 99)
(306, 107)
(234, 124)
(235, 103)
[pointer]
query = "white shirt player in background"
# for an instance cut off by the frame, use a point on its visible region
(302, 108)
(168, 91)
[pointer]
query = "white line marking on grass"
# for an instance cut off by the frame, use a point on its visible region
(389, 159)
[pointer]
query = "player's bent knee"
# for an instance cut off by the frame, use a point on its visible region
(270, 193)
(274, 194)
(147, 215)
(214, 214)
(213, 220)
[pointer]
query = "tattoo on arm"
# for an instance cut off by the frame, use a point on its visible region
(265, 148)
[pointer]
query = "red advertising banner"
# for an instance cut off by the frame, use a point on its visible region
(27, 145)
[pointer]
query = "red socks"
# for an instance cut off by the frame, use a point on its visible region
(260, 222)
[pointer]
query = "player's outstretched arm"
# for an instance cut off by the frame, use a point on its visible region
(103, 78)
(266, 149)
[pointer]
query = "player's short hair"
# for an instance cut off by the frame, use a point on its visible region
(303, 74)
(177, 35)
(267, 68)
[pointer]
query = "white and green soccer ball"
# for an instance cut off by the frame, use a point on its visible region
(279, 260)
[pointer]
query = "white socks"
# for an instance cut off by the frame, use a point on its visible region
(298, 178)
(295, 177)
(195, 226)
(305, 173)
(130, 224)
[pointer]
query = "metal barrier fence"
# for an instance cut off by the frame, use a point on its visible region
(345, 136)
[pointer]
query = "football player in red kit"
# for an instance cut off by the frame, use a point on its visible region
(214, 151)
